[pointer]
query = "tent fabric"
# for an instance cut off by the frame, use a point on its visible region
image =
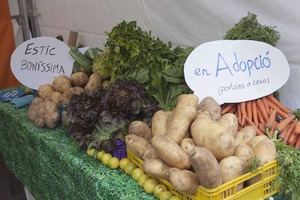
(184, 23)
(7, 46)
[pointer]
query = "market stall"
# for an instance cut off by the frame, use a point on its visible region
(197, 122)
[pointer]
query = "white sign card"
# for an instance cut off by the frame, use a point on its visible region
(37, 61)
(235, 70)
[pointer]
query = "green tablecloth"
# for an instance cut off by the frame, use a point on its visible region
(51, 166)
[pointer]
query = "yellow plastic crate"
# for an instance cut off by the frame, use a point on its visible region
(265, 187)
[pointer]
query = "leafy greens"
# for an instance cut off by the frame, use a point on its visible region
(98, 118)
(133, 54)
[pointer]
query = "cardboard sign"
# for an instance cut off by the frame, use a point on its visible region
(235, 70)
(37, 61)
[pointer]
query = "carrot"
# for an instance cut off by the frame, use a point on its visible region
(260, 117)
(292, 139)
(271, 121)
(254, 112)
(233, 109)
(258, 132)
(262, 108)
(289, 131)
(280, 112)
(249, 109)
(271, 131)
(261, 127)
(297, 128)
(283, 133)
(227, 107)
(297, 145)
(271, 98)
(264, 99)
(285, 122)
(243, 112)
(239, 114)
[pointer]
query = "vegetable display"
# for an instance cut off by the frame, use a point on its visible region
(212, 148)
(134, 90)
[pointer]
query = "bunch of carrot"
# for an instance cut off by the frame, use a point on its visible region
(267, 114)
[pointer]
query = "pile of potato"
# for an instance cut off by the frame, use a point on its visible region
(44, 109)
(195, 145)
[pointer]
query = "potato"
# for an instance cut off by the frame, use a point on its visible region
(138, 145)
(67, 95)
(209, 104)
(245, 153)
(255, 140)
(159, 122)
(140, 128)
(170, 152)
(57, 98)
(45, 91)
(79, 79)
(34, 108)
(36, 112)
(245, 135)
(188, 145)
(94, 82)
(39, 122)
(208, 133)
(230, 122)
(201, 121)
(105, 83)
(231, 168)
(183, 115)
(149, 153)
(52, 116)
(183, 180)
(265, 151)
(155, 167)
(206, 167)
(61, 83)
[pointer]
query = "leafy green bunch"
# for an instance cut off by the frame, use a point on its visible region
(100, 117)
(133, 54)
(248, 28)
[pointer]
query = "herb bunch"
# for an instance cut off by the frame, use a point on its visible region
(248, 28)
